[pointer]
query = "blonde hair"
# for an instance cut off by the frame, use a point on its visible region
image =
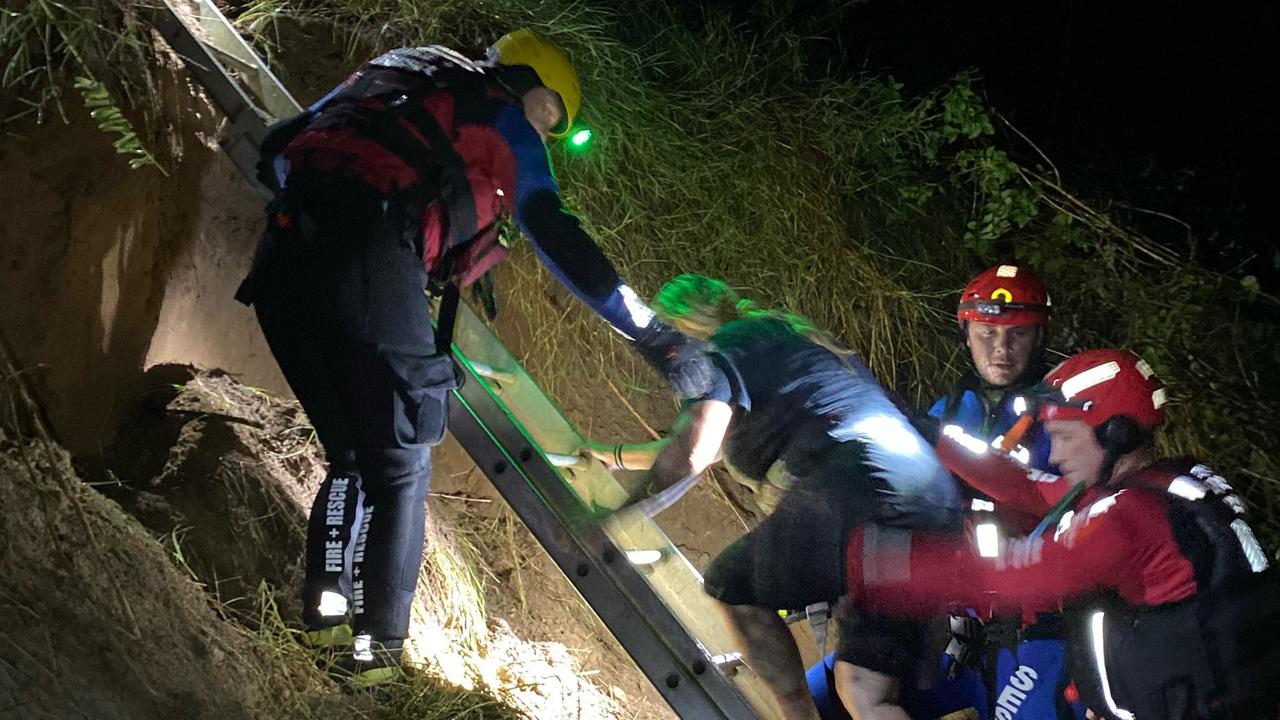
(708, 302)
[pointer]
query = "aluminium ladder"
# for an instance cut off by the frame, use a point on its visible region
(653, 605)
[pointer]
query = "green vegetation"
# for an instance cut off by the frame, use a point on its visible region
(103, 50)
(111, 120)
(722, 150)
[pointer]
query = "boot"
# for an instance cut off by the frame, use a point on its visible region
(369, 662)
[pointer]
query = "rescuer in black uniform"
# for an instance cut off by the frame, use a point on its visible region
(396, 183)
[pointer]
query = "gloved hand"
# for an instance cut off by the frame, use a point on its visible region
(678, 357)
(929, 427)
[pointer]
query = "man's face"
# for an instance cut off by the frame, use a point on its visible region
(542, 110)
(1075, 450)
(1001, 353)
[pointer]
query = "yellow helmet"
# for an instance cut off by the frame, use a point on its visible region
(524, 47)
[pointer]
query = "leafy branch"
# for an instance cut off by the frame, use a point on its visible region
(111, 120)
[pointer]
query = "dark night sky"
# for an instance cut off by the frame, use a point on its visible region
(1131, 98)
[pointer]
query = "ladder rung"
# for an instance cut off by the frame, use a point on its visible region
(644, 558)
(729, 662)
(567, 461)
(502, 377)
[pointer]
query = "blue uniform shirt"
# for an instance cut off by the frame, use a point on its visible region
(985, 419)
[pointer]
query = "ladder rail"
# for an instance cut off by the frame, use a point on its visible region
(679, 666)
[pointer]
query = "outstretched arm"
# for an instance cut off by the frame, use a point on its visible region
(577, 262)
(694, 444)
(1109, 544)
(1010, 485)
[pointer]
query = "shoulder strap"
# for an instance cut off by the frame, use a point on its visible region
(1057, 511)
(445, 321)
(956, 397)
(484, 293)
(455, 190)
(386, 128)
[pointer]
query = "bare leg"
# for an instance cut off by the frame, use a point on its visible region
(867, 694)
(771, 652)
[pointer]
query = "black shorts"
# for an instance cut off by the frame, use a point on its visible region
(796, 557)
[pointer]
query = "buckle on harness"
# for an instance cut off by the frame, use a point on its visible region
(818, 614)
(966, 644)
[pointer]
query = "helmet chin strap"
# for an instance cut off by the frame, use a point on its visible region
(1037, 353)
(516, 79)
(1109, 460)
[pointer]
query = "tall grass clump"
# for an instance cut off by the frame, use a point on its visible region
(727, 150)
(102, 49)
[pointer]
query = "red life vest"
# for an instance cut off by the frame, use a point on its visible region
(417, 125)
(1212, 655)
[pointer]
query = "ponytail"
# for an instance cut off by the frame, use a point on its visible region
(702, 300)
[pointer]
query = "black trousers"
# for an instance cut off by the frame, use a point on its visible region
(339, 293)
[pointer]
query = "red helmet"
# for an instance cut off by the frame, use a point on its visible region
(1098, 385)
(1005, 295)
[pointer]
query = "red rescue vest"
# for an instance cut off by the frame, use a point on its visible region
(417, 124)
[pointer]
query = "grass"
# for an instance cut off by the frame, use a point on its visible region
(111, 120)
(716, 150)
(719, 149)
(307, 694)
(100, 48)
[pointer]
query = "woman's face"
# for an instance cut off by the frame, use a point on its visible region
(696, 326)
